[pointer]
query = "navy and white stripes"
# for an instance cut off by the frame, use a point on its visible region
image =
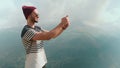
(27, 35)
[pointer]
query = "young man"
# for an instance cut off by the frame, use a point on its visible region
(33, 37)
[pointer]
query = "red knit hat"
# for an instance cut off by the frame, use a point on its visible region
(27, 10)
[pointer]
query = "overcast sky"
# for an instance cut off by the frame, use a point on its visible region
(84, 14)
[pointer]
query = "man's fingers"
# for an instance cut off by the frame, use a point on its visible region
(65, 19)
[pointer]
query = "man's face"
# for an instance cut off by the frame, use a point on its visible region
(34, 16)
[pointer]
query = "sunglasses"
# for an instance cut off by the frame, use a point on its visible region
(35, 14)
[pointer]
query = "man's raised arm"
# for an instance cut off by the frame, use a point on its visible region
(47, 35)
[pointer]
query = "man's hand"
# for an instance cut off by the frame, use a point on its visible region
(65, 22)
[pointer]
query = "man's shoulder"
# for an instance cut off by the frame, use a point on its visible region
(38, 27)
(24, 30)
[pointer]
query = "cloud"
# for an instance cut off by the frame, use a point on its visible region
(98, 18)
(7, 12)
(85, 15)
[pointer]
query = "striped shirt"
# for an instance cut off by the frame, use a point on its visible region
(30, 45)
(33, 48)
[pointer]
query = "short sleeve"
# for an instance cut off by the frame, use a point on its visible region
(29, 34)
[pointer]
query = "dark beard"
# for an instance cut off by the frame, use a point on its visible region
(36, 21)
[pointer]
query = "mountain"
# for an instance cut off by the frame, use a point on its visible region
(72, 49)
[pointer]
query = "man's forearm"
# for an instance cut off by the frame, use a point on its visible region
(56, 31)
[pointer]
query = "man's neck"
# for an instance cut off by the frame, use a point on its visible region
(30, 23)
